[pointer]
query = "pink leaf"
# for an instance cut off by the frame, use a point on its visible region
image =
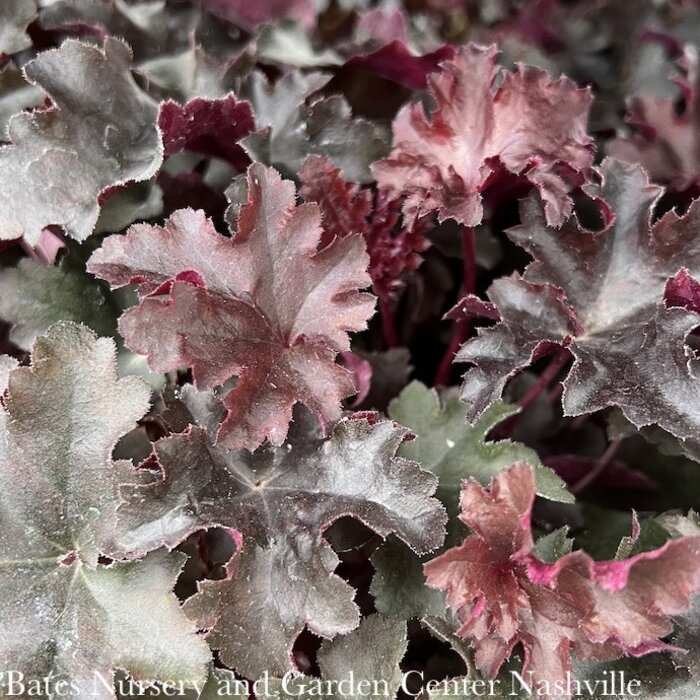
(534, 127)
(504, 595)
(362, 374)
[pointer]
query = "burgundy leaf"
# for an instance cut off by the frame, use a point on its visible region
(274, 310)
(601, 295)
(344, 205)
(212, 127)
(683, 290)
(189, 189)
(396, 62)
(471, 306)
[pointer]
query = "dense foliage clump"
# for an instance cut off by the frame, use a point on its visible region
(349, 336)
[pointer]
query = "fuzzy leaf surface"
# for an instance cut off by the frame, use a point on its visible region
(15, 17)
(265, 306)
(454, 451)
(372, 652)
(16, 94)
(504, 595)
(61, 612)
(530, 125)
(281, 500)
(34, 296)
(347, 209)
(101, 132)
(601, 294)
(291, 126)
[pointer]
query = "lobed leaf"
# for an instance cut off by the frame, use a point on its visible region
(212, 127)
(101, 133)
(601, 295)
(504, 595)
(290, 128)
(454, 451)
(62, 613)
(280, 500)
(266, 306)
(529, 125)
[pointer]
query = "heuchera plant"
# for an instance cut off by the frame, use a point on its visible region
(349, 336)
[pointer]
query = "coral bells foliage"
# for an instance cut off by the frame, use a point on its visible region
(527, 125)
(267, 306)
(347, 209)
(280, 501)
(63, 610)
(210, 127)
(667, 143)
(504, 595)
(600, 294)
(230, 266)
(36, 158)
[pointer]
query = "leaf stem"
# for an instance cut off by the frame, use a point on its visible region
(386, 316)
(461, 328)
(558, 361)
(598, 468)
(560, 358)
